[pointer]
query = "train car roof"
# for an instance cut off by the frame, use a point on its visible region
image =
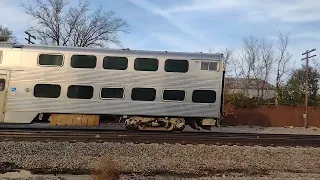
(124, 52)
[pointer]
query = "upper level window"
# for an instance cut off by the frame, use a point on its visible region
(80, 92)
(211, 66)
(172, 65)
(146, 64)
(204, 96)
(47, 90)
(50, 60)
(143, 94)
(173, 95)
(113, 62)
(83, 61)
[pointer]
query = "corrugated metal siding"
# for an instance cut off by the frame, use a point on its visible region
(32, 74)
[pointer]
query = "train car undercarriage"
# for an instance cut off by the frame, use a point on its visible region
(142, 123)
(167, 123)
(154, 123)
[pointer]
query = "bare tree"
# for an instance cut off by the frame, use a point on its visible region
(282, 62)
(259, 58)
(73, 26)
(228, 58)
(316, 64)
(6, 35)
(254, 64)
(246, 64)
(266, 64)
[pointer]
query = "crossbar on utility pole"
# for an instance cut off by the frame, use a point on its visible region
(305, 116)
(29, 37)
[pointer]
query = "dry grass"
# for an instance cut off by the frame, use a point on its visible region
(106, 170)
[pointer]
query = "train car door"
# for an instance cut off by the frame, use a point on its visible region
(3, 93)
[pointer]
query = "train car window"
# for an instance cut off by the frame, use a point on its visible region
(2, 84)
(83, 61)
(47, 90)
(204, 96)
(146, 64)
(211, 66)
(117, 63)
(80, 92)
(172, 65)
(112, 93)
(204, 65)
(50, 60)
(173, 95)
(143, 94)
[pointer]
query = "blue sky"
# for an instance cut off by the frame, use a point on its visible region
(200, 25)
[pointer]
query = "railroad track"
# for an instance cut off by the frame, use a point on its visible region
(248, 139)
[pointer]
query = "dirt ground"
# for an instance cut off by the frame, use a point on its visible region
(26, 175)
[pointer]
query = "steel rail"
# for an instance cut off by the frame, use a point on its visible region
(88, 130)
(161, 137)
(185, 134)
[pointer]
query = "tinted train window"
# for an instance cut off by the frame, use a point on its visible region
(204, 65)
(117, 63)
(80, 92)
(204, 96)
(213, 66)
(83, 61)
(173, 95)
(2, 84)
(50, 60)
(143, 94)
(176, 65)
(112, 93)
(146, 64)
(47, 90)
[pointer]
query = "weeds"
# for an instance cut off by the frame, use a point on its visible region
(106, 170)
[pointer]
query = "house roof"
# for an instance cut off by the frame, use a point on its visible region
(241, 83)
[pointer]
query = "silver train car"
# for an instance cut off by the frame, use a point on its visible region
(145, 90)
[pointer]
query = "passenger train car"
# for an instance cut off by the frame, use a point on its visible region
(146, 90)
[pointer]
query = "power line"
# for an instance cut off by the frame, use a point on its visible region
(29, 38)
(305, 116)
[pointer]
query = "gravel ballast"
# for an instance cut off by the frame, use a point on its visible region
(274, 176)
(177, 159)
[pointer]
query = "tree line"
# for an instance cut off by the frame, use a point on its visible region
(261, 61)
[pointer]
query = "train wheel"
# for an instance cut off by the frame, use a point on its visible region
(180, 124)
(180, 128)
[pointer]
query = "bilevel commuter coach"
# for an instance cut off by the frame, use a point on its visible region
(145, 90)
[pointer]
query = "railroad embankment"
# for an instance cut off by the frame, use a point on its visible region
(162, 159)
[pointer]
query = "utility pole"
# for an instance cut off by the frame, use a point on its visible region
(29, 38)
(305, 116)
